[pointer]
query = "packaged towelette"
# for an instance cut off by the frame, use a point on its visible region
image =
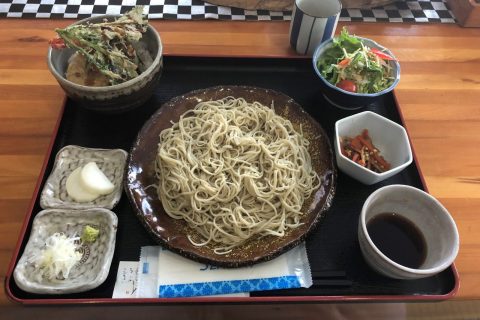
(169, 275)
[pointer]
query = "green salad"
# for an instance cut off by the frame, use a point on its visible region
(352, 66)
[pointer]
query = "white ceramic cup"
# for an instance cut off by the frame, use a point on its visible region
(313, 21)
(427, 214)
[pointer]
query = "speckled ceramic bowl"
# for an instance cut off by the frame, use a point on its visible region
(110, 161)
(111, 99)
(94, 266)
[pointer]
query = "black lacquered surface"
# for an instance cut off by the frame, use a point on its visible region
(336, 261)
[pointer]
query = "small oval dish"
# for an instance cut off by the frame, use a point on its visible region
(110, 161)
(388, 137)
(94, 265)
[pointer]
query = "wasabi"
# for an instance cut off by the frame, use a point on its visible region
(89, 234)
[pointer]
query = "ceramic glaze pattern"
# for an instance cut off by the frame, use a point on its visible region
(90, 271)
(110, 161)
(122, 91)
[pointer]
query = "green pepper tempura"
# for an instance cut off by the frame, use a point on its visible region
(353, 66)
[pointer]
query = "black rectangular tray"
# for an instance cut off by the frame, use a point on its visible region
(338, 268)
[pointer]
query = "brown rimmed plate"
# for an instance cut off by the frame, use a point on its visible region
(173, 233)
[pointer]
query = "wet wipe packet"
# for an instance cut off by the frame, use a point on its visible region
(165, 274)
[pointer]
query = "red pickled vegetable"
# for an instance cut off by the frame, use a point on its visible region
(361, 150)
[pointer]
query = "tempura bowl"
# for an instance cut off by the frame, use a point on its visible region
(115, 98)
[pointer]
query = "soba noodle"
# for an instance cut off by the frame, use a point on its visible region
(234, 170)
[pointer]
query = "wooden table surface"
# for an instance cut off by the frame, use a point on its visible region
(439, 95)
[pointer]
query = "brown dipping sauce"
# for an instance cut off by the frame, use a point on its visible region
(399, 239)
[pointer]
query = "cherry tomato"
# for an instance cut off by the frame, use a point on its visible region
(347, 85)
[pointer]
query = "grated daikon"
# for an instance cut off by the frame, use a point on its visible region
(58, 257)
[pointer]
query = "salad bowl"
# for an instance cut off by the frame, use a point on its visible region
(346, 95)
(114, 98)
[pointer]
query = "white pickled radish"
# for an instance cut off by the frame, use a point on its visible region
(94, 180)
(75, 189)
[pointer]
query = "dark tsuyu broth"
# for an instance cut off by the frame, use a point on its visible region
(399, 239)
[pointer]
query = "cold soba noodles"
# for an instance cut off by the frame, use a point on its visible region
(234, 170)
